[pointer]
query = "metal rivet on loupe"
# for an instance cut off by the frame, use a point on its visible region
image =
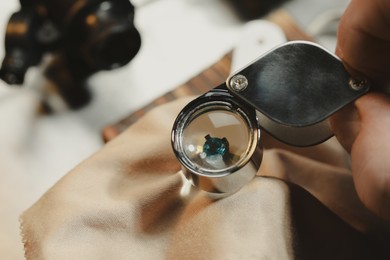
(358, 83)
(238, 82)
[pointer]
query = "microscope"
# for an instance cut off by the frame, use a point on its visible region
(82, 36)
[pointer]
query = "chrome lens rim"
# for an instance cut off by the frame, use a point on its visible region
(215, 100)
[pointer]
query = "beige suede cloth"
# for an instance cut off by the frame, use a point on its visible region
(128, 201)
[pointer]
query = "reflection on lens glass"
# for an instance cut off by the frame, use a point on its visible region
(216, 139)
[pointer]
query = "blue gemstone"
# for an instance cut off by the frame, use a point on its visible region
(215, 146)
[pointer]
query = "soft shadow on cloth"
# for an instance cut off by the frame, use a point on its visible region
(127, 202)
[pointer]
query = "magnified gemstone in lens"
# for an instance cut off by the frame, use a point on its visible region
(214, 146)
(216, 139)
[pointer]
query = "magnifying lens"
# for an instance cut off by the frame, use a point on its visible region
(217, 140)
(290, 92)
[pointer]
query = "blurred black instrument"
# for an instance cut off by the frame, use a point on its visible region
(84, 37)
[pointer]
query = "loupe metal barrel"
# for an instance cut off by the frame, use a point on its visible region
(217, 140)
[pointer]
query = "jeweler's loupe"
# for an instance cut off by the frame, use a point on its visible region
(289, 92)
(216, 138)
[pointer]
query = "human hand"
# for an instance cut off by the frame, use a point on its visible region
(363, 128)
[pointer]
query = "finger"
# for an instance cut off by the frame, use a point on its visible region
(345, 126)
(371, 153)
(363, 40)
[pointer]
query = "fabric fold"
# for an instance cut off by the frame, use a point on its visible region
(130, 201)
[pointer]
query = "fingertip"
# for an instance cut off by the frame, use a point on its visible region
(345, 126)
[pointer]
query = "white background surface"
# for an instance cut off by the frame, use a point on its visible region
(180, 38)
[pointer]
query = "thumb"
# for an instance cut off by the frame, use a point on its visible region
(370, 153)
